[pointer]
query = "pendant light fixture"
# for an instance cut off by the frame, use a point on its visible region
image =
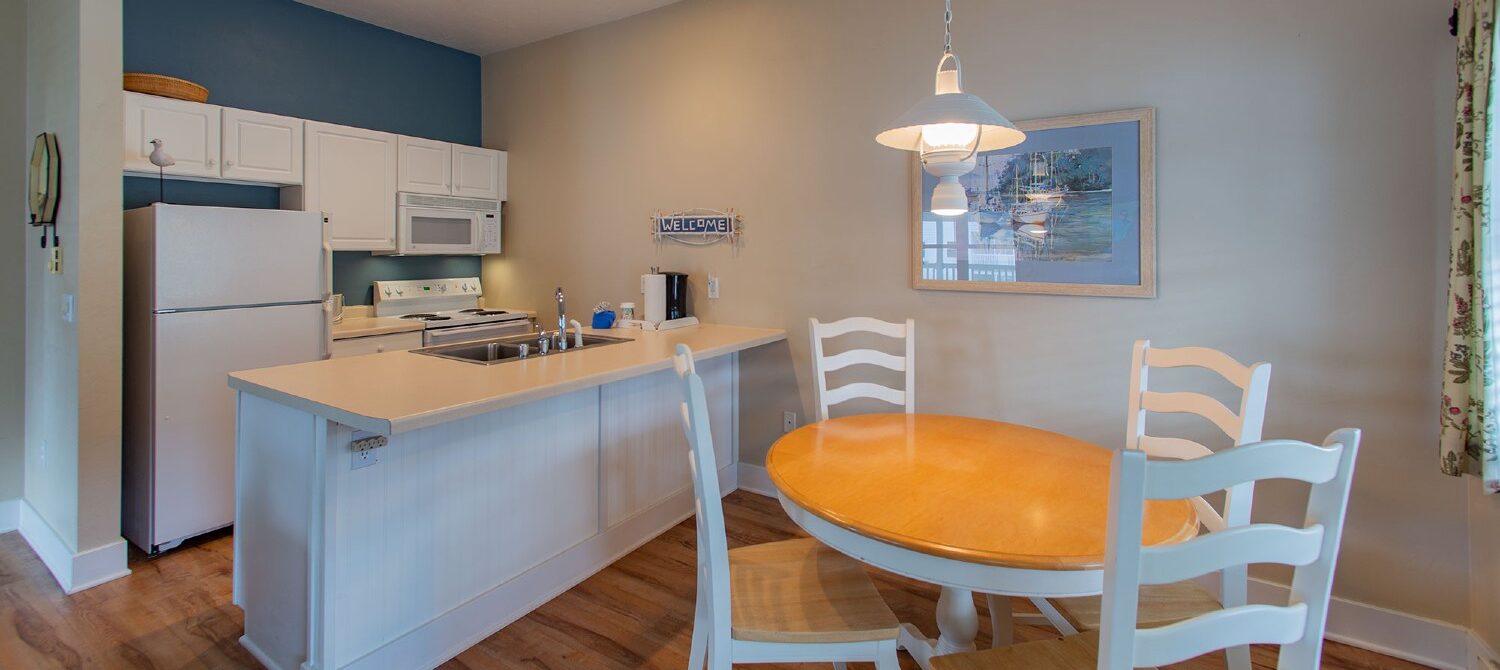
(949, 128)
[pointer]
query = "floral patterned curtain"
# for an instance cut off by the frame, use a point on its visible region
(1468, 439)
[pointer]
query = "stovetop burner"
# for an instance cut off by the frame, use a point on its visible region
(483, 312)
(426, 317)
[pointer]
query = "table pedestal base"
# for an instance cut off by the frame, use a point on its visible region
(958, 625)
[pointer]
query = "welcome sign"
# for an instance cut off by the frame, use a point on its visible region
(698, 227)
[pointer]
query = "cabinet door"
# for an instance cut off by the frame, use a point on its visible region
(351, 177)
(189, 132)
(262, 147)
(426, 166)
(478, 173)
(376, 344)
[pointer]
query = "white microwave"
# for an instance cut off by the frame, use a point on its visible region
(434, 225)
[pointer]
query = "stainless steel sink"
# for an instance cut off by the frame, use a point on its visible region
(502, 349)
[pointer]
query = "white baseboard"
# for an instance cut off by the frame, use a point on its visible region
(753, 478)
(1481, 656)
(10, 515)
(74, 572)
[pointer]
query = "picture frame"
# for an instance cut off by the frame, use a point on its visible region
(1070, 211)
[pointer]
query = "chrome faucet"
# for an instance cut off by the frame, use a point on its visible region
(562, 322)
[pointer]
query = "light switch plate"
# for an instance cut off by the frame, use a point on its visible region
(67, 307)
(713, 287)
(788, 422)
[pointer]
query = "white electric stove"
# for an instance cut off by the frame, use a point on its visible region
(449, 310)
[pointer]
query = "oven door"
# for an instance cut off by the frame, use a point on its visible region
(432, 230)
(435, 336)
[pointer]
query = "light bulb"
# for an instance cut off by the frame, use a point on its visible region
(949, 197)
(949, 136)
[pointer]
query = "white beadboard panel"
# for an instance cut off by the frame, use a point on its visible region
(274, 485)
(456, 510)
(644, 449)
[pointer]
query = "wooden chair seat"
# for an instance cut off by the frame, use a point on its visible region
(801, 591)
(1074, 652)
(1160, 605)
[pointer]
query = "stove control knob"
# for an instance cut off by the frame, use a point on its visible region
(443, 288)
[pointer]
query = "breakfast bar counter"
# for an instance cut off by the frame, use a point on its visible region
(401, 391)
(391, 509)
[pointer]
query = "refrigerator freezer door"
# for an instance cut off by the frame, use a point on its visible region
(217, 256)
(195, 408)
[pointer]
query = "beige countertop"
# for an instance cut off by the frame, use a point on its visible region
(401, 391)
(366, 326)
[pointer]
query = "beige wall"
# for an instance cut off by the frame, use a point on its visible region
(13, 250)
(72, 368)
(1302, 161)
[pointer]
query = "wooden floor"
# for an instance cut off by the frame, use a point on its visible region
(174, 612)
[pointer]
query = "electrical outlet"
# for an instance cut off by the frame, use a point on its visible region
(54, 261)
(364, 459)
(44, 453)
(713, 287)
(67, 307)
(366, 451)
(788, 422)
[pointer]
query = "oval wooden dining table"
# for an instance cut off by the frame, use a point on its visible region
(967, 504)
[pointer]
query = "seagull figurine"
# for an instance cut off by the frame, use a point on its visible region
(162, 160)
(159, 156)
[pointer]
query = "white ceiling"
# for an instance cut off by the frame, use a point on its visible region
(486, 26)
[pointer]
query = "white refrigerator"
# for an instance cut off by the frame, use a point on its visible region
(208, 291)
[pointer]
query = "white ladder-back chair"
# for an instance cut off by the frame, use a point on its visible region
(822, 365)
(1169, 603)
(795, 601)
(1297, 627)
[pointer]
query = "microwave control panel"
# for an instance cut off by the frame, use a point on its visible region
(489, 233)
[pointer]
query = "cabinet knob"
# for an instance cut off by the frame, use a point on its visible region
(209, 163)
(226, 163)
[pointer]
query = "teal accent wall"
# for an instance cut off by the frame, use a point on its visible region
(283, 57)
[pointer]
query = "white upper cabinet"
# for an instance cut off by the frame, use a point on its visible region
(351, 177)
(262, 147)
(478, 173)
(189, 132)
(426, 166)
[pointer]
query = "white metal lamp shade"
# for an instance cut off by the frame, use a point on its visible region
(995, 131)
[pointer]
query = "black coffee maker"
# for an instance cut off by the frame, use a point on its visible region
(677, 295)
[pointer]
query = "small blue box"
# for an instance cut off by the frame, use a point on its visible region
(604, 320)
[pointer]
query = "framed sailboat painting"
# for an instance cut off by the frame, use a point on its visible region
(1072, 211)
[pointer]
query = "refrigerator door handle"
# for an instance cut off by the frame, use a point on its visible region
(326, 346)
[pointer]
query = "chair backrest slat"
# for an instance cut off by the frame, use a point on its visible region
(1247, 624)
(1312, 548)
(1173, 447)
(713, 543)
(1202, 357)
(1187, 402)
(1272, 459)
(866, 357)
(1256, 543)
(822, 365)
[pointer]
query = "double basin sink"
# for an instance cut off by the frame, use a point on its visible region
(504, 349)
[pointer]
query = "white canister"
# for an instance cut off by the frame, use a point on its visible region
(627, 311)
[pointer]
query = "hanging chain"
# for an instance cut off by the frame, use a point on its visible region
(947, 26)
